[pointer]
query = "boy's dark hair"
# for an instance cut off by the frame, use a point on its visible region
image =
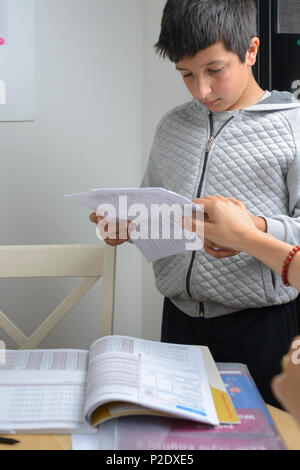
(189, 26)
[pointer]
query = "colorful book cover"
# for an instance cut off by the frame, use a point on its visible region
(256, 430)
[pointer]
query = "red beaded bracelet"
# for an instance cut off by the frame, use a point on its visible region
(286, 265)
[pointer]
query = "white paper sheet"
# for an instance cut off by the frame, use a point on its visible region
(157, 214)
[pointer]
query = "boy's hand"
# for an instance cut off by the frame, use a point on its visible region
(212, 248)
(218, 251)
(113, 234)
(260, 223)
(94, 218)
(226, 221)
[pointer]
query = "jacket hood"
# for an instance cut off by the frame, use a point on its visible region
(278, 100)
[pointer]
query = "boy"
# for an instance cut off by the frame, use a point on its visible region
(239, 141)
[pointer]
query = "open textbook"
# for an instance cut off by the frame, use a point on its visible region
(156, 212)
(256, 430)
(61, 391)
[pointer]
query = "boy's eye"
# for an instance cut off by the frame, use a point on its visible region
(216, 70)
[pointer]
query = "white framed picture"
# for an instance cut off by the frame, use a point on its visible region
(17, 60)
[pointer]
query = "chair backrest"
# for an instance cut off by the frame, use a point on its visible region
(89, 261)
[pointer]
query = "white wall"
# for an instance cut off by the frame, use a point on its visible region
(101, 91)
(88, 133)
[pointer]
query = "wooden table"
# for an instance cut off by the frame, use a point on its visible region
(287, 427)
(285, 423)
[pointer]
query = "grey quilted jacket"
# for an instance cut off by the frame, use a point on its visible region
(254, 157)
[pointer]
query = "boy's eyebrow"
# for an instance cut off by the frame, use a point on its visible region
(214, 62)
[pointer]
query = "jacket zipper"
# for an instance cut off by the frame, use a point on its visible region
(208, 147)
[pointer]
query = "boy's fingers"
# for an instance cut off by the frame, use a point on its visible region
(205, 201)
(209, 203)
(122, 228)
(192, 225)
(95, 218)
(188, 223)
(201, 200)
(237, 202)
(214, 250)
(113, 233)
(224, 253)
(100, 215)
(131, 227)
(116, 242)
(215, 245)
(102, 229)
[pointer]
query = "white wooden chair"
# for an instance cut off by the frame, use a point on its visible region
(89, 261)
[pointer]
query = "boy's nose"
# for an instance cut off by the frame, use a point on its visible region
(203, 90)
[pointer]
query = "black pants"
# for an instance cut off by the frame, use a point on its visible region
(257, 337)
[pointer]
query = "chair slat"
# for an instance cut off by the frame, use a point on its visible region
(12, 330)
(88, 261)
(58, 314)
(51, 261)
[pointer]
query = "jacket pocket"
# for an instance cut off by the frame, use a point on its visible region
(239, 283)
(269, 283)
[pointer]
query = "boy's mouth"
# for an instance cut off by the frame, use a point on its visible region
(211, 103)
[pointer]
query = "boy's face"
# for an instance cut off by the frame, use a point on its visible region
(217, 78)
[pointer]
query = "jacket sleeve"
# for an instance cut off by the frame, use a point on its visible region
(152, 174)
(287, 228)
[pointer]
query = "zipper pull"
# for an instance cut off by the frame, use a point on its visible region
(209, 143)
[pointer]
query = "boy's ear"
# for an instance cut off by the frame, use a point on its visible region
(252, 51)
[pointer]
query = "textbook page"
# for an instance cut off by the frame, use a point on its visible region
(256, 430)
(169, 378)
(43, 389)
(156, 213)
